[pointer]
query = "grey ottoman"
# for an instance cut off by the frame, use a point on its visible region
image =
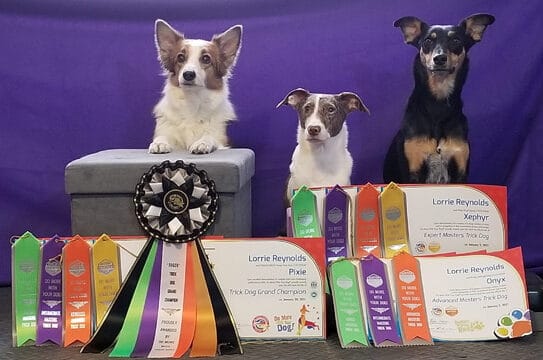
(101, 187)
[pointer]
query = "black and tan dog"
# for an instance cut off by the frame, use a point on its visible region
(432, 144)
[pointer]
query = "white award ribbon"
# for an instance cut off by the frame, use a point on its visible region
(170, 307)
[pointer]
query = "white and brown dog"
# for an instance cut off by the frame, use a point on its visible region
(195, 108)
(321, 157)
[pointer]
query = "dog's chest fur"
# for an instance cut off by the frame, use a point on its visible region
(186, 115)
(322, 164)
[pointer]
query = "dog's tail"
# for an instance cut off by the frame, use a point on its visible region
(437, 170)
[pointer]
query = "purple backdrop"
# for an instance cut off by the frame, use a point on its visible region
(77, 77)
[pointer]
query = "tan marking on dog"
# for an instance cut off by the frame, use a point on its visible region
(433, 35)
(216, 70)
(417, 150)
(450, 33)
(457, 149)
(474, 29)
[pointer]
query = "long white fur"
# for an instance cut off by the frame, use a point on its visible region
(194, 117)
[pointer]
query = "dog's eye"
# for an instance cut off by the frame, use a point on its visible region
(206, 59)
(180, 58)
(456, 46)
(307, 108)
(426, 45)
(331, 109)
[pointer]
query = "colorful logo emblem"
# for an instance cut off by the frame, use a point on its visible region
(261, 324)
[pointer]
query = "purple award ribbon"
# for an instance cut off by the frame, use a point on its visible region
(381, 314)
(50, 293)
(290, 231)
(335, 224)
(146, 332)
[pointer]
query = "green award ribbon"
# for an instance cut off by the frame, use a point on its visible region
(304, 214)
(129, 332)
(347, 304)
(25, 262)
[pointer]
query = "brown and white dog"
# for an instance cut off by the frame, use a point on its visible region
(321, 157)
(195, 108)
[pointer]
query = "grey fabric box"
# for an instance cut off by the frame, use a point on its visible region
(102, 185)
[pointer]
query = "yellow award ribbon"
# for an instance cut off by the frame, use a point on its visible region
(393, 210)
(106, 275)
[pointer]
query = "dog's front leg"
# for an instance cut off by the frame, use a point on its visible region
(205, 145)
(417, 151)
(456, 153)
(160, 145)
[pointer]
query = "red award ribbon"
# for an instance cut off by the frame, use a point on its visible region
(410, 300)
(367, 228)
(77, 291)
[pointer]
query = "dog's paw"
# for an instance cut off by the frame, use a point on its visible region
(203, 146)
(157, 147)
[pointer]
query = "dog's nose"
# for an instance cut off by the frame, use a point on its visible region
(440, 59)
(314, 130)
(189, 75)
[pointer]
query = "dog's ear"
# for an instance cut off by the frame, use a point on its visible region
(167, 40)
(294, 98)
(229, 43)
(412, 28)
(351, 102)
(475, 26)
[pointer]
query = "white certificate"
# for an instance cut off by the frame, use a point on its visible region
(274, 288)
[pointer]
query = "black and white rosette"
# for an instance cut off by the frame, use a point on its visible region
(176, 202)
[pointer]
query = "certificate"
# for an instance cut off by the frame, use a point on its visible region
(476, 297)
(274, 287)
(456, 218)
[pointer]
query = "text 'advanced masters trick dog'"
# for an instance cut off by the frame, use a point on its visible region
(432, 144)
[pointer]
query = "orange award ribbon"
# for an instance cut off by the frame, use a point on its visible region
(410, 300)
(205, 335)
(76, 291)
(367, 233)
(393, 211)
(106, 275)
(189, 305)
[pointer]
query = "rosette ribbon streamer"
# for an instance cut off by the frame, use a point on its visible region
(170, 301)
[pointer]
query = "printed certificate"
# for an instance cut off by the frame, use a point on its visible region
(274, 287)
(476, 297)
